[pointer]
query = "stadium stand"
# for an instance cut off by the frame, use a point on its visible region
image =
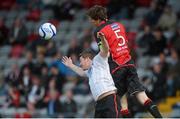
(26, 93)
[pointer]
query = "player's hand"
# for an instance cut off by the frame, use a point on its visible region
(100, 35)
(67, 61)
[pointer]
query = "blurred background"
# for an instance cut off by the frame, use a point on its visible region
(33, 81)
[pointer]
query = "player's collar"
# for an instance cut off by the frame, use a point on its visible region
(102, 22)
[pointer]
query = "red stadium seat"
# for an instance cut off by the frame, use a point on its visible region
(16, 51)
(90, 3)
(7, 4)
(32, 37)
(143, 3)
(24, 115)
(34, 15)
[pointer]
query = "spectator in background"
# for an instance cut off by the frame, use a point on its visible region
(25, 81)
(13, 75)
(86, 44)
(146, 38)
(40, 63)
(161, 4)
(125, 8)
(94, 46)
(61, 67)
(174, 61)
(87, 35)
(65, 10)
(159, 82)
(3, 89)
(81, 87)
(13, 98)
(45, 76)
(41, 48)
(153, 15)
(3, 32)
(69, 105)
(167, 15)
(175, 40)
(164, 64)
(114, 7)
(50, 49)
(74, 47)
(174, 73)
(18, 33)
(52, 86)
(36, 93)
(29, 62)
(59, 78)
(54, 106)
(158, 44)
(23, 3)
(37, 45)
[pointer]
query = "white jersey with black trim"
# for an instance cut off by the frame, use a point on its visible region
(100, 79)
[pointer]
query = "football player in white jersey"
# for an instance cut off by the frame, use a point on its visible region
(96, 68)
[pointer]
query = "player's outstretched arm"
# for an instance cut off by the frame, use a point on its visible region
(67, 61)
(104, 49)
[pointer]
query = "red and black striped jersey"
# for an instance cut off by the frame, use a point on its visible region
(115, 35)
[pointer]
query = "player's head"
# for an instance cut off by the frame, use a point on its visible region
(97, 14)
(86, 59)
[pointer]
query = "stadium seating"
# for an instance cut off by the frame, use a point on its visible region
(34, 13)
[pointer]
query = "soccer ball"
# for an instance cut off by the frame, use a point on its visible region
(47, 31)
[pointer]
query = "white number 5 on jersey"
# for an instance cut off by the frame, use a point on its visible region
(119, 37)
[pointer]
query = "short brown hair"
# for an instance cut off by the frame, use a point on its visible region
(88, 53)
(97, 12)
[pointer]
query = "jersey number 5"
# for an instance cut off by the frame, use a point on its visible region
(121, 43)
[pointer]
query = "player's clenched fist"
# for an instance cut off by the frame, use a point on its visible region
(100, 35)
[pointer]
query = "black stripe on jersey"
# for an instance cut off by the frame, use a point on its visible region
(98, 40)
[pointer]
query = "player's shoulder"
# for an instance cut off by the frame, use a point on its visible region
(103, 25)
(117, 23)
(99, 58)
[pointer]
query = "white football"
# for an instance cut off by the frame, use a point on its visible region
(47, 31)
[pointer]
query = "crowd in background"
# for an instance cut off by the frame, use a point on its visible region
(42, 81)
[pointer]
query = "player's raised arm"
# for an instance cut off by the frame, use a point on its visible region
(67, 61)
(104, 49)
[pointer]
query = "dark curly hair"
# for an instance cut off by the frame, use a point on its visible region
(97, 12)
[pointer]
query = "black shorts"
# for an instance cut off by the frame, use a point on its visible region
(108, 107)
(126, 80)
